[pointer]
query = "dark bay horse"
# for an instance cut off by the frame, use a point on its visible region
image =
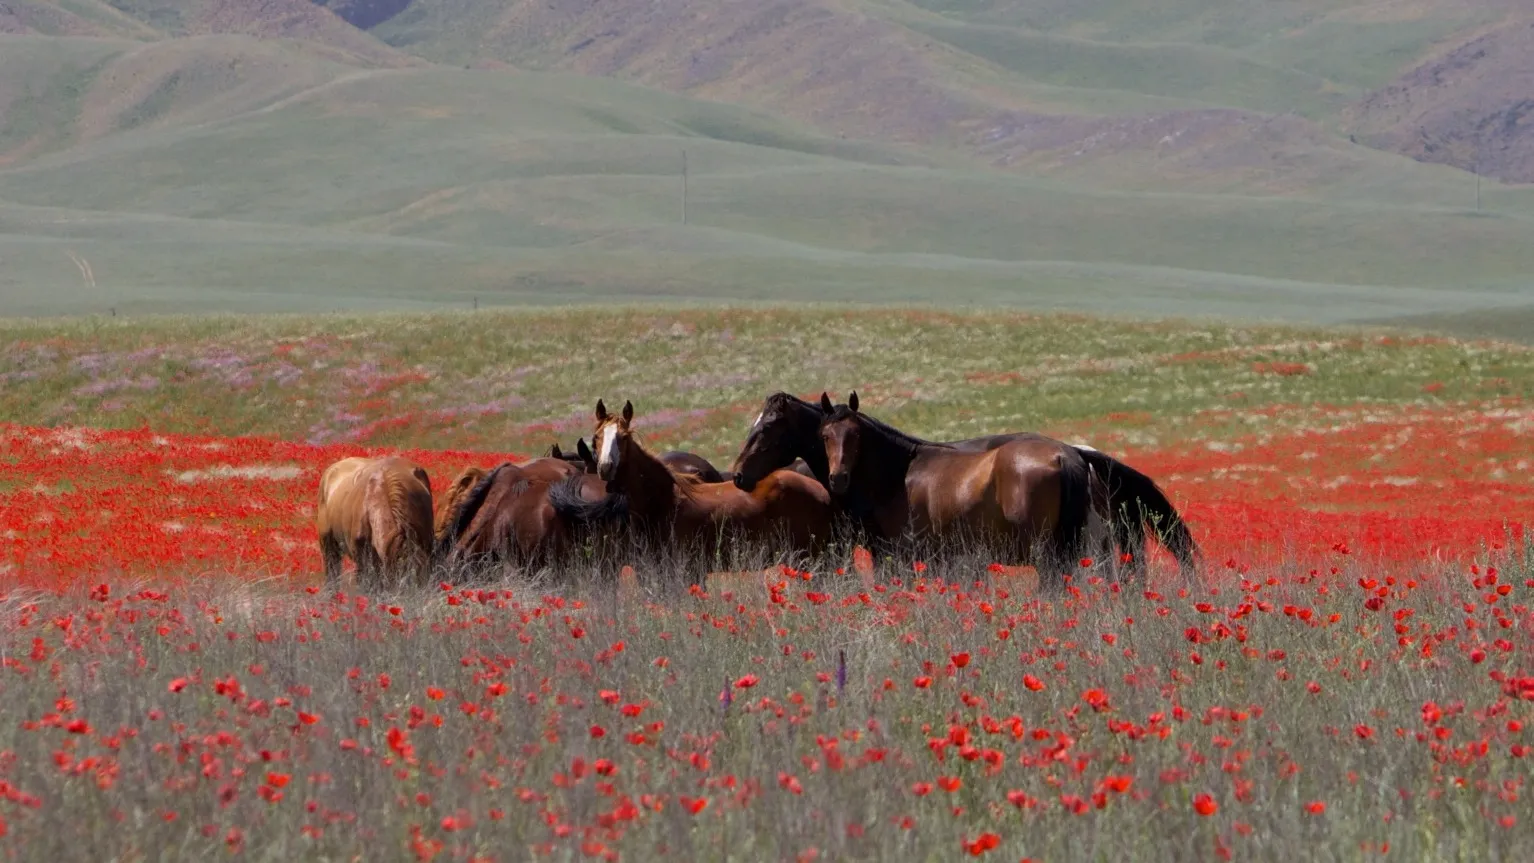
(507, 517)
(788, 430)
(693, 466)
(1030, 498)
(664, 510)
(581, 458)
(378, 512)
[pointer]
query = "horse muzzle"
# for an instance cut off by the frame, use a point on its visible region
(839, 483)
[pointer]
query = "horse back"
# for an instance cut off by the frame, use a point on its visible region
(986, 489)
(548, 469)
(398, 498)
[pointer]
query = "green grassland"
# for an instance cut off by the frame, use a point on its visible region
(520, 380)
(228, 173)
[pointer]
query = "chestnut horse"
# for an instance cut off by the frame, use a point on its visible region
(1029, 497)
(451, 500)
(378, 512)
(506, 515)
(788, 430)
(666, 510)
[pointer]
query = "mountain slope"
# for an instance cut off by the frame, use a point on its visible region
(1472, 107)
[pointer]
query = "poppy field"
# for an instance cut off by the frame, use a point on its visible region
(1353, 676)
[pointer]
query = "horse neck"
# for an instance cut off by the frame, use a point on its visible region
(884, 458)
(651, 488)
(806, 441)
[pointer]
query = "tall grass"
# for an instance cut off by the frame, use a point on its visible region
(773, 715)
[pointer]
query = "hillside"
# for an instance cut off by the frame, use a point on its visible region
(1472, 107)
(983, 77)
(201, 155)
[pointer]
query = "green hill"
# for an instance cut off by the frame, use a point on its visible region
(1181, 158)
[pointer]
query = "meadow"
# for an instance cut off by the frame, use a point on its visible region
(1351, 676)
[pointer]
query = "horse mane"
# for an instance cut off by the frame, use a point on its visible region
(906, 441)
(784, 399)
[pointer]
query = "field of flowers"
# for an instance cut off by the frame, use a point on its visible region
(1353, 680)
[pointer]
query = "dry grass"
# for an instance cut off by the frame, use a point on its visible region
(214, 719)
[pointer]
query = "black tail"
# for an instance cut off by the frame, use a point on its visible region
(1137, 503)
(577, 512)
(467, 509)
(1075, 510)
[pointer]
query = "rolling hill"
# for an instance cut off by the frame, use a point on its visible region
(1118, 156)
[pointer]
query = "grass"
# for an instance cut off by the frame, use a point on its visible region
(520, 380)
(184, 689)
(768, 717)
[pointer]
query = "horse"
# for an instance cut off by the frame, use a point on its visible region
(692, 466)
(664, 509)
(378, 512)
(452, 498)
(1033, 496)
(787, 430)
(582, 456)
(506, 515)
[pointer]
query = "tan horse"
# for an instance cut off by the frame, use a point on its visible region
(377, 511)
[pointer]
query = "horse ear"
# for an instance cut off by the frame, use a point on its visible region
(582, 450)
(601, 411)
(628, 411)
(825, 404)
(852, 401)
(555, 451)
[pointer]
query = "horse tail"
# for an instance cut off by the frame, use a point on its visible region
(565, 498)
(1075, 511)
(1133, 495)
(468, 507)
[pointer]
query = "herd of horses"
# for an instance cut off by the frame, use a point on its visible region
(808, 476)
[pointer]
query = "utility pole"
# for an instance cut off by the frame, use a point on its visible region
(684, 187)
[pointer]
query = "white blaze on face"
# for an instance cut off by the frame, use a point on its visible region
(607, 446)
(1083, 447)
(756, 422)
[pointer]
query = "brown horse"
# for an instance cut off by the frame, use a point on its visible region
(452, 499)
(692, 466)
(378, 512)
(664, 510)
(1031, 498)
(582, 457)
(787, 431)
(506, 516)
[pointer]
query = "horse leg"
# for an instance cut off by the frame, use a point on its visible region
(367, 567)
(332, 553)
